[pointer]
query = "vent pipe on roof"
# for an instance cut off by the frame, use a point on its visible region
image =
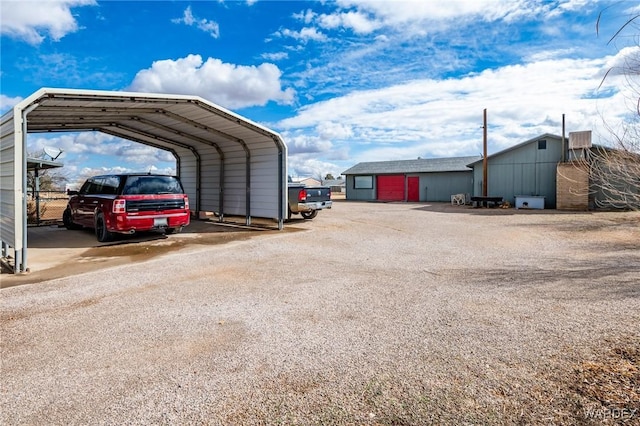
(564, 146)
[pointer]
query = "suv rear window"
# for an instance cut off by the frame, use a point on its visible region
(152, 185)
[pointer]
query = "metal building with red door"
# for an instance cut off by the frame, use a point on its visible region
(423, 179)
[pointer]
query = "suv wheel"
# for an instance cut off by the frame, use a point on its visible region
(68, 221)
(102, 233)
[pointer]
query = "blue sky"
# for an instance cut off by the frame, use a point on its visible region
(342, 81)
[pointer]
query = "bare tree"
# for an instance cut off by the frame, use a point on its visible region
(615, 171)
(615, 177)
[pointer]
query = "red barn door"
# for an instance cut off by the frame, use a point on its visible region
(390, 188)
(413, 188)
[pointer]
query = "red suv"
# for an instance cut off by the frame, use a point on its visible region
(128, 203)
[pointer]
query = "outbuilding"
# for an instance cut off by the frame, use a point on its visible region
(228, 164)
(526, 169)
(422, 179)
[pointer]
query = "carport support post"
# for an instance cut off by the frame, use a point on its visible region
(221, 192)
(281, 185)
(21, 255)
(248, 197)
(36, 192)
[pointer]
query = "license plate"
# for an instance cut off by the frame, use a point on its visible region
(161, 221)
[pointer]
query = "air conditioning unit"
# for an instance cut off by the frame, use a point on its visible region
(580, 140)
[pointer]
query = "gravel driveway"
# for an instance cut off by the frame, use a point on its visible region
(372, 314)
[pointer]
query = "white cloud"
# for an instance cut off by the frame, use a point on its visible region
(331, 130)
(304, 144)
(549, 54)
(96, 144)
(633, 10)
(304, 35)
(626, 61)
(87, 154)
(311, 167)
(401, 12)
(430, 117)
(7, 102)
(229, 85)
(306, 16)
(278, 56)
(394, 13)
(210, 27)
(421, 17)
(32, 21)
(356, 21)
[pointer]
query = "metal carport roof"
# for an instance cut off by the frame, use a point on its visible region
(228, 164)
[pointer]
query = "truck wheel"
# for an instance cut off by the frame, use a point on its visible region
(309, 215)
(102, 233)
(67, 220)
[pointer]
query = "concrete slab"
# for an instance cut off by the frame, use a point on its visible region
(54, 252)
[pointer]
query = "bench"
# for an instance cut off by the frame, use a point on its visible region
(486, 201)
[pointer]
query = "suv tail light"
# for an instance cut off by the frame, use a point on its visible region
(186, 203)
(119, 206)
(302, 195)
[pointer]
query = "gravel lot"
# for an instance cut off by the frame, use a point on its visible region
(372, 314)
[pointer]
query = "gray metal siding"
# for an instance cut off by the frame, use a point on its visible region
(187, 173)
(264, 190)
(210, 179)
(235, 185)
(526, 170)
(439, 187)
(359, 194)
(264, 183)
(10, 182)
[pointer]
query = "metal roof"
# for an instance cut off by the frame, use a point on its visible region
(159, 120)
(514, 147)
(420, 165)
(334, 182)
(41, 164)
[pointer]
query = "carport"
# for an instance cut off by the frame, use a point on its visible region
(228, 164)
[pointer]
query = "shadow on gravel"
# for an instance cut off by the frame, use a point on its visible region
(56, 236)
(569, 280)
(492, 211)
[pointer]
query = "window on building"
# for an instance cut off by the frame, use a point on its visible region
(363, 182)
(542, 144)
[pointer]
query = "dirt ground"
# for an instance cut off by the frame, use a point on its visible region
(372, 314)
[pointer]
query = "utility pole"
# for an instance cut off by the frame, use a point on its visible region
(484, 155)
